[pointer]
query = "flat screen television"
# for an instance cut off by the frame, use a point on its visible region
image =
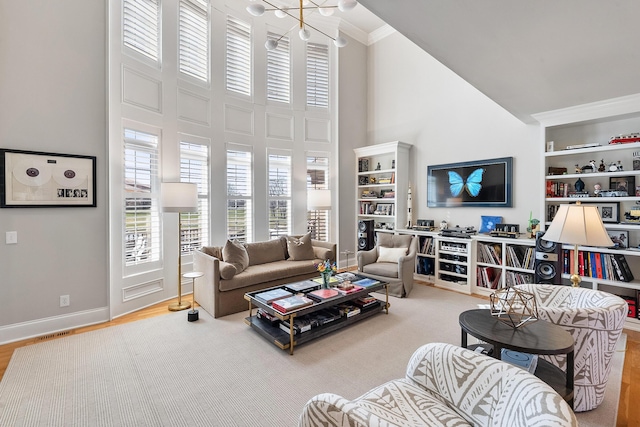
(478, 183)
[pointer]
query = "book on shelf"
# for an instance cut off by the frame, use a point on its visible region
(526, 361)
(321, 295)
(304, 286)
(600, 265)
(267, 317)
(295, 302)
(364, 302)
(300, 325)
(272, 295)
(348, 309)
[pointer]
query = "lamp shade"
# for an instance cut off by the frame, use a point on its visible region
(179, 197)
(318, 200)
(578, 224)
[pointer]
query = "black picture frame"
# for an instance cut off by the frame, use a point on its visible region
(620, 238)
(623, 183)
(609, 212)
(455, 184)
(36, 179)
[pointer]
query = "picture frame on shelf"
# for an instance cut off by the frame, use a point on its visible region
(623, 183)
(31, 179)
(620, 238)
(609, 212)
(363, 180)
(384, 209)
(363, 164)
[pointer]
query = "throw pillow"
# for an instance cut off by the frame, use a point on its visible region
(227, 271)
(235, 254)
(390, 254)
(300, 249)
(489, 223)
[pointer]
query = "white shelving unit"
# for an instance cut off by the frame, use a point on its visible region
(383, 170)
(453, 264)
(596, 124)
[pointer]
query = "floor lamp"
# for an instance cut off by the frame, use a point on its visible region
(578, 224)
(179, 197)
(318, 200)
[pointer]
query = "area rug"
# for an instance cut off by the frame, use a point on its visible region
(165, 371)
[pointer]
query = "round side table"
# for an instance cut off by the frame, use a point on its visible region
(192, 315)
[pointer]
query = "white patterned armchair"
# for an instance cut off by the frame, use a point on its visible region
(446, 385)
(595, 319)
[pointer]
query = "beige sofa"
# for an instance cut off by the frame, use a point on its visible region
(446, 385)
(269, 264)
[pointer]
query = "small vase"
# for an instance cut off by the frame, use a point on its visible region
(326, 279)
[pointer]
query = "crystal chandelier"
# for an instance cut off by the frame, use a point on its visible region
(297, 13)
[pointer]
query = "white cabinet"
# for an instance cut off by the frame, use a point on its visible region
(382, 184)
(575, 138)
(453, 261)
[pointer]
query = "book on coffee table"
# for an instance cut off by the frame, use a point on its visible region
(366, 282)
(291, 303)
(321, 295)
(304, 286)
(268, 297)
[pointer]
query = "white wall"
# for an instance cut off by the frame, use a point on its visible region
(415, 99)
(53, 99)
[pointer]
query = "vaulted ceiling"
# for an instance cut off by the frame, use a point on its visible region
(529, 56)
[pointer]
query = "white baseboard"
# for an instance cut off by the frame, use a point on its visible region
(50, 325)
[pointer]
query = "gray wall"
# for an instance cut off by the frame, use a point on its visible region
(53, 99)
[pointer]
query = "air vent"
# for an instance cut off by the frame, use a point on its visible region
(52, 336)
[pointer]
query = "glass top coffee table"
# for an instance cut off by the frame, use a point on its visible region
(540, 337)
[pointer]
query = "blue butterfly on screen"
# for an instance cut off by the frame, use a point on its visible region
(473, 184)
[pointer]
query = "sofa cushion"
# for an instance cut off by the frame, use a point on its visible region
(214, 251)
(300, 249)
(385, 269)
(235, 254)
(401, 402)
(264, 252)
(394, 240)
(227, 271)
(265, 273)
(390, 254)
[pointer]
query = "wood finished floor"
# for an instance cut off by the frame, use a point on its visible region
(628, 411)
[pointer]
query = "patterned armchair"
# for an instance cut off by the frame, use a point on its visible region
(446, 385)
(595, 319)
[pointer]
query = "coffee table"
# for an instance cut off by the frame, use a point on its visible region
(540, 337)
(288, 340)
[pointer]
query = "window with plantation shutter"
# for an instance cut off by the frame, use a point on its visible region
(317, 178)
(193, 38)
(239, 195)
(317, 75)
(194, 168)
(141, 198)
(141, 27)
(238, 70)
(279, 70)
(279, 195)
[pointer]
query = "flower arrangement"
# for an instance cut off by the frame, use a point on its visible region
(326, 267)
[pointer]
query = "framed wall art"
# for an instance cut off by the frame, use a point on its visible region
(609, 212)
(471, 184)
(620, 238)
(39, 179)
(624, 184)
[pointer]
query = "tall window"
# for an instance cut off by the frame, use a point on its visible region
(279, 195)
(141, 200)
(193, 51)
(141, 27)
(279, 70)
(317, 179)
(317, 75)
(238, 56)
(194, 162)
(239, 195)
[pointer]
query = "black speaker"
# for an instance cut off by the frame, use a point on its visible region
(548, 265)
(365, 235)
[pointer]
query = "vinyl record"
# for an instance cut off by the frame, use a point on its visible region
(32, 173)
(69, 177)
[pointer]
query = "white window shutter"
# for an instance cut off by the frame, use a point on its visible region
(141, 27)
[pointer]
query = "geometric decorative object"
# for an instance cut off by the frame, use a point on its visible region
(514, 307)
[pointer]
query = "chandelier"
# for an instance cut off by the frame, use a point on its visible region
(297, 13)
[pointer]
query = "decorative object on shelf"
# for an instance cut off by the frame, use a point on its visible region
(506, 230)
(488, 223)
(620, 168)
(193, 315)
(578, 169)
(636, 161)
(393, 164)
(579, 185)
(513, 307)
(443, 225)
(373, 180)
(557, 171)
(550, 146)
(363, 180)
(326, 269)
(596, 189)
(179, 197)
(378, 166)
(534, 226)
(625, 139)
(602, 167)
(613, 167)
(620, 238)
(409, 206)
(460, 184)
(578, 225)
(590, 168)
(258, 9)
(363, 164)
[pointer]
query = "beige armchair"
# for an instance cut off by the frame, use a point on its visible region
(595, 319)
(388, 262)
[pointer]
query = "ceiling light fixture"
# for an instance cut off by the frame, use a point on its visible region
(258, 9)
